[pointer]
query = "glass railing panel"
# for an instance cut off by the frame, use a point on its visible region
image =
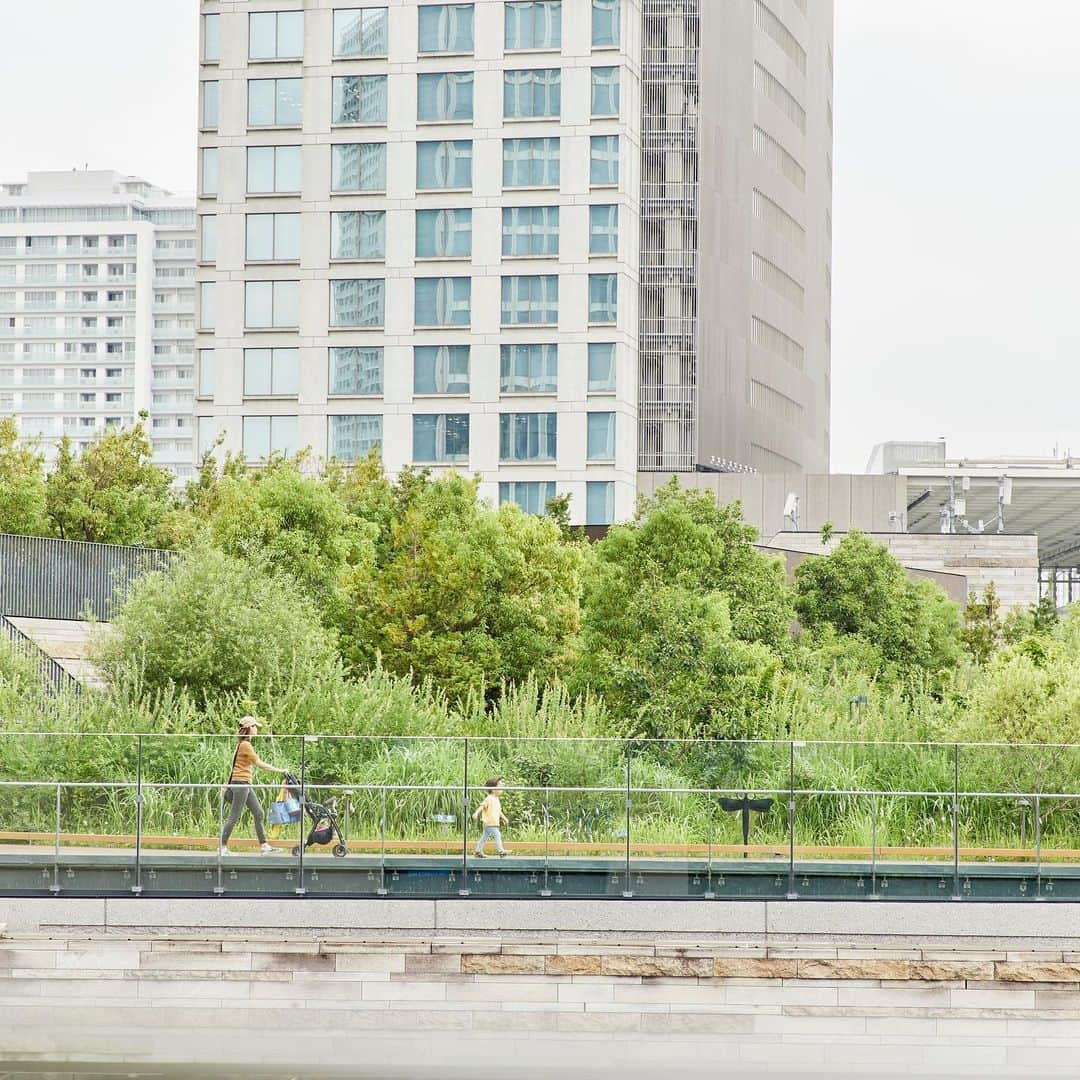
(96, 838)
(28, 842)
(690, 801)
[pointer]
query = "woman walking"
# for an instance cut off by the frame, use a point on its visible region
(239, 791)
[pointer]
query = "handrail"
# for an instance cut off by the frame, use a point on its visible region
(52, 673)
(598, 740)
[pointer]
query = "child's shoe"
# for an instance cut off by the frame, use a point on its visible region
(504, 853)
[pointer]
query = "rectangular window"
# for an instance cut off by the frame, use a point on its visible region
(445, 96)
(275, 102)
(605, 91)
(530, 300)
(273, 237)
(533, 24)
(530, 230)
(271, 371)
(442, 437)
(271, 304)
(603, 230)
(528, 436)
(603, 297)
(357, 302)
(528, 95)
(361, 32)
(206, 372)
(443, 234)
(441, 369)
(266, 435)
(358, 167)
(601, 437)
(599, 502)
(529, 369)
(356, 371)
(211, 39)
(275, 35)
(444, 165)
(601, 367)
(605, 23)
(446, 28)
(209, 119)
(443, 301)
(273, 169)
(531, 496)
(352, 438)
(604, 159)
(208, 238)
(206, 305)
(358, 234)
(209, 171)
(530, 162)
(359, 99)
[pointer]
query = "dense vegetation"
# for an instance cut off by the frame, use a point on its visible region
(337, 600)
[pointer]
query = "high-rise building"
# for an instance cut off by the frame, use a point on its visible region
(535, 240)
(97, 310)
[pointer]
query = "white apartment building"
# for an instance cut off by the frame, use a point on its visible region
(97, 310)
(421, 227)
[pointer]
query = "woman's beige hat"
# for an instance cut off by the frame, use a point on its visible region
(248, 722)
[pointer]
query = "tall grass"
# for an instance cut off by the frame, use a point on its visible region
(406, 763)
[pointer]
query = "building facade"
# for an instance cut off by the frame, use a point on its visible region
(426, 227)
(97, 310)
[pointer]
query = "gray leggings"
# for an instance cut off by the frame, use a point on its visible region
(239, 796)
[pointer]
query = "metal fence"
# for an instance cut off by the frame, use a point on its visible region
(587, 817)
(42, 578)
(52, 674)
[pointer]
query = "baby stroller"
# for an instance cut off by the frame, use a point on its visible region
(324, 822)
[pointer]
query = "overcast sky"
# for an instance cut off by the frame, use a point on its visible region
(957, 171)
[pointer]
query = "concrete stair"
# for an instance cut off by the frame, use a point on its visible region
(67, 641)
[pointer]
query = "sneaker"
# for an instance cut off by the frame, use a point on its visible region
(223, 850)
(503, 854)
(479, 855)
(268, 849)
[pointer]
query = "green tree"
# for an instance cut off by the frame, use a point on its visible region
(682, 537)
(214, 624)
(22, 485)
(680, 672)
(680, 614)
(860, 589)
(112, 493)
(289, 523)
(982, 630)
(463, 595)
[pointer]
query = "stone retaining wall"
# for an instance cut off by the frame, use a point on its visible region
(297, 998)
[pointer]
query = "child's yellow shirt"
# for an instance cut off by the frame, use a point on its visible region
(491, 810)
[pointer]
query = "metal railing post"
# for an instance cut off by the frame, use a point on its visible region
(55, 887)
(1038, 850)
(303, 806)
(546, 890)
(873, 846)
(464, 890)
(627, 890)
(382, 845)
(137, 887)
(791, 893)
(219, 888)
(710, 821)
(956, 822)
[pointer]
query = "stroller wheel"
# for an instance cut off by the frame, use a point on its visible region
(296, 851)
(340, 851)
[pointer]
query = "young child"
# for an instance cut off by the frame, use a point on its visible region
(490, 812)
